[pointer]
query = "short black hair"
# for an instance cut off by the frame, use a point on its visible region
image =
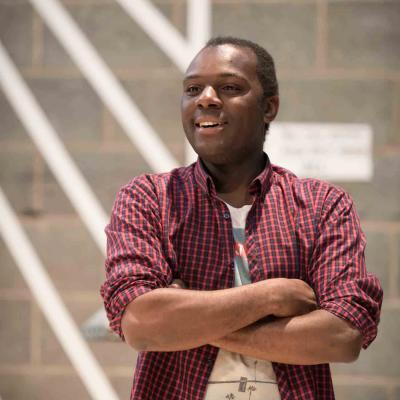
(265, 63)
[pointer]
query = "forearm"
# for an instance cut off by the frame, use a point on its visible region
(171, 319)
(314, 338)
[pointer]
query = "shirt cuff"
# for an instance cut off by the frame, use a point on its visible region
(116, 307)
(356, 315)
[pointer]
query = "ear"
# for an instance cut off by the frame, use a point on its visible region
(271, 107)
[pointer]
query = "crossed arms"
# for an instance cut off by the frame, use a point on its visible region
(172, 319)
(158, 317)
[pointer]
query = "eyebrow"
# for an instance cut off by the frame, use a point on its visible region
(223, 75)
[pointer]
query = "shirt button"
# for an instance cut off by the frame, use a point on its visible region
(227, 215)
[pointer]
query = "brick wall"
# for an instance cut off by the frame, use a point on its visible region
(338, 61)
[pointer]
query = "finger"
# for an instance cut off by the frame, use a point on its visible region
(177, 284)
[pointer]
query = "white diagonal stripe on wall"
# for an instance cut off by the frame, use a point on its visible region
(52, 149)
(52, 306)
(87, 206)
(198, 23)
(160, 30)
(103, 81)
(170, 40)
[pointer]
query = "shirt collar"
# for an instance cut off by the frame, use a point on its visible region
(259, 186)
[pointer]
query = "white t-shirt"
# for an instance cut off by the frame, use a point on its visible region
(234, 375)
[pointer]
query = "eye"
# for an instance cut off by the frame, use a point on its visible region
(231, 88)
(192, 90)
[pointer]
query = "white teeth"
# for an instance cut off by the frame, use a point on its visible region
(208, 124)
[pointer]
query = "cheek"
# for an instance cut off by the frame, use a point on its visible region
(186, 111)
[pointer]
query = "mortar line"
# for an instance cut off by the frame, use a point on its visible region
(32, 370)
(37, 182)
(71, 295)
(321, 34)
(264, 2)
(122, 73)
(37, 40)
(178, 16)
(36, 330)
(107, 128)
(381, 226)
(364, 380)
(329, 73)
(391, 393)
(396, 109)
(393, 266)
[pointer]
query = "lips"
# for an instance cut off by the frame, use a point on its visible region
(209, 124)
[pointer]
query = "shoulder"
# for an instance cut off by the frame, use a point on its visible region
(155, 185)
(311, 192)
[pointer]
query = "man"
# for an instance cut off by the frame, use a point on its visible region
(232, 277)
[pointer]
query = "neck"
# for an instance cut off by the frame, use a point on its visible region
(232, 181)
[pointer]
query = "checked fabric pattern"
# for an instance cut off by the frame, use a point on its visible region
(173, 225)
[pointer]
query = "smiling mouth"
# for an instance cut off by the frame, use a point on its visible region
(209, 124)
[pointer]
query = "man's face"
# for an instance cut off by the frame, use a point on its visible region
(223, 113)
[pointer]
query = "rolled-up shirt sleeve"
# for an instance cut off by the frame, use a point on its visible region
(135, 262)
(337, 268)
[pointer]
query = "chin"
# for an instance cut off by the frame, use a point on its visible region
(212, 150)
(213, 157)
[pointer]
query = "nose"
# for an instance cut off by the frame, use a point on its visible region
(209, 98)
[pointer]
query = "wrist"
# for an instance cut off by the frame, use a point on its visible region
(272, 296)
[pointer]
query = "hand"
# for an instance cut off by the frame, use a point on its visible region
(291, 297)
(177, 284)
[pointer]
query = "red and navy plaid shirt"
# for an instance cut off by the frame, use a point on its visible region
(173, 225)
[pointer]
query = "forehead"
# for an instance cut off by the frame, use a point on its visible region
(224, 59)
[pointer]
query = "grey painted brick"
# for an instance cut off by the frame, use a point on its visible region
(16, 175)
(16, 32)
(66, 248)
(11, 129)
(51, 350)
(109, 354)
(359, 392)
(85, 2)
(364, 34)
(14, 332)
(287, 31)
(105, 172)
(122, 386)
(42, 386)
(10, 277)
(113, 135)
(377, 256)
(379, 199)
(68, 253)
(71, 106)
(115, 353)
(396, 263)
(55, 201)
(159, 101)
(116, 36)
(346, 101)
(381, 357)
(396, 111)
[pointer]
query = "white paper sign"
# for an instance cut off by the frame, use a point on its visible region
(336, 152)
